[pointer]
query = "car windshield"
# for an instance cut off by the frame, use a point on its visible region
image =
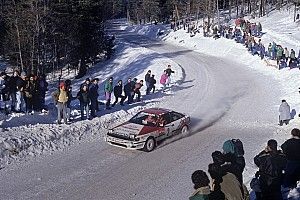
(144, 119)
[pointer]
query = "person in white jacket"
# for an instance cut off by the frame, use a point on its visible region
(284, 113)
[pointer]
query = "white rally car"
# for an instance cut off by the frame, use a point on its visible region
(147, 128)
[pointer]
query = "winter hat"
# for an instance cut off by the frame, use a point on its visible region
(87, 79)
(200, 179)
(228, 147)
(61, 84)
(218, 157)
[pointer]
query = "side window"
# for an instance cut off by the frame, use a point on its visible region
(167, 118)
(175, 116)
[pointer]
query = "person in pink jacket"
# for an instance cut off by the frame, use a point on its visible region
(163, 79)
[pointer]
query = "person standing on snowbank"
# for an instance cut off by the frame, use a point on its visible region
(291, 148)
(108, 89)
(169, 72)
(147, 80)
(62, 103)
(93, 93)
(163, 80)
(284, 113)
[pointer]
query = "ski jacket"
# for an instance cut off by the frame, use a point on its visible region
(231, 187)
(83, 96)
(201, 194)
(291, 148)
(128, 88)
(93, 93)
(234, 165)
(169, 71)
(284, 111)
(138, 87)
(108, 87)
(163, 79)
(147, 77)
(270, 166)
(118, 90)
(152, 81)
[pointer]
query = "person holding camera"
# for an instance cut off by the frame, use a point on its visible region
(271, 163)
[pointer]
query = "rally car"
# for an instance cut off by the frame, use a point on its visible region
(147, 128)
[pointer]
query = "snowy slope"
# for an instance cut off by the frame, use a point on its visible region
(24, 135)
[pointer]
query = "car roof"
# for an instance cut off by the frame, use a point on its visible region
(157, 111)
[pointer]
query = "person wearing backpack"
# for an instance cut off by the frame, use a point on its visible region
(234, 157)
(271, 162)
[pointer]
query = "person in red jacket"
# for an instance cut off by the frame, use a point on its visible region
(137, 88)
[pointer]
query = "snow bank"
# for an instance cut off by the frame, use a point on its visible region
(24, 135)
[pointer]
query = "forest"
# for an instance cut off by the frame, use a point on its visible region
(43, 36)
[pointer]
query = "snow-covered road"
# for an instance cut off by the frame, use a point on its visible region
(224, 99)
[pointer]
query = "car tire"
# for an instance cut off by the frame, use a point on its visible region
(149, 144)
(185, 130)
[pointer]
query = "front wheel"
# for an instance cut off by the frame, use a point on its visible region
(150, 144)
(185, 130)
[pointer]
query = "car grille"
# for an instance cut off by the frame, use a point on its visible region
(119, 136)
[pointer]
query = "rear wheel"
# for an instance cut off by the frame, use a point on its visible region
(150, 144)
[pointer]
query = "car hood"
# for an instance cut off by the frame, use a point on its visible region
(134, 129)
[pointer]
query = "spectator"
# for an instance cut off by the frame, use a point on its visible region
(163, 80)
(271, 162)
(93, 94)
(202, 189)
(152, 83)
(137, 89)
(43, 86)
(234, 162)
(132, 83)
(118, 94)
(20, 85)
(229, 185)
(62, 103)
(286, 54)
(108, 89)
(84, 99)
(128, 91)
(169, 72)
(284, 113)
(291, 148)
(270, 50)
(30, 92)
(279, 53)
(68, 88)
(13, 89)
(147, 80)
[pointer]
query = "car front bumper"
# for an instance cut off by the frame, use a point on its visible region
(124, 143)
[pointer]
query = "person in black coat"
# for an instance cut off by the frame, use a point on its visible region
(169, 71)
(291, 148)
(152, 83)
(271, 162)
(84, 99)
(128, 90)
(228, 163)
(147, 80)
(118, 94)
(93, 94)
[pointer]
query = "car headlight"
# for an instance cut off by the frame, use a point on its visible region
(132, 137)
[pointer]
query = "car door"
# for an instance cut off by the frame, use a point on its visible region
(176, 119)
(173, 123)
